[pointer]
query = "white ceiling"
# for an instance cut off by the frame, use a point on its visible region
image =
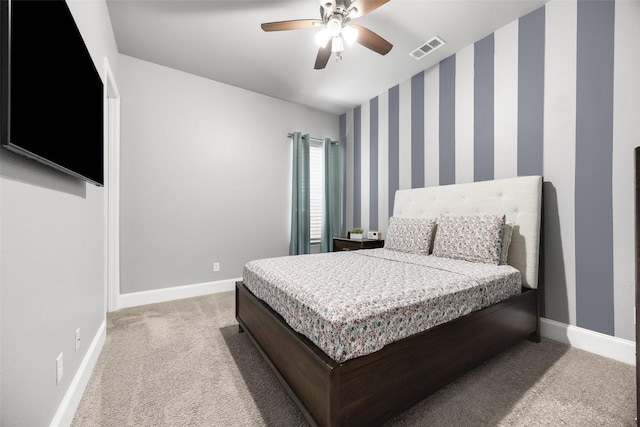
(223, 41)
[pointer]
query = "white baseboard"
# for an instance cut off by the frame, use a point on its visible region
(177, 292)
(71, 400)
(593, 342)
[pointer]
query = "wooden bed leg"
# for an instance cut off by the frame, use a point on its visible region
(240, 329)
(535, 337)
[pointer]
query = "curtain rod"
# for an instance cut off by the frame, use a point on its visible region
(290, 135)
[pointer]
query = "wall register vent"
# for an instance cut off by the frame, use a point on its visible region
(432, 44)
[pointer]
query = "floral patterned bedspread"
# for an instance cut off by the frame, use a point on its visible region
(353, 303)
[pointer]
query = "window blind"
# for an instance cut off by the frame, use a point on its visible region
(316, 183)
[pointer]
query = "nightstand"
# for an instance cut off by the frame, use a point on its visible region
(345, 244)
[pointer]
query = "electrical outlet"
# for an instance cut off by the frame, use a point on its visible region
(216, 266)
(77, 339)
(59, 369)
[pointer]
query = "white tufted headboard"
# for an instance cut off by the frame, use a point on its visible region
(519, 199)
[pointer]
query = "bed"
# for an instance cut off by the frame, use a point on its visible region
(335, 383)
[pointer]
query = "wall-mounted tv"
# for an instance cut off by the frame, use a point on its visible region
(51, 93)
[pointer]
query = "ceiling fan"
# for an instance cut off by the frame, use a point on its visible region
(337, 28)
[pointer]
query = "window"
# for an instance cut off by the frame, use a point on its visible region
(316, 183)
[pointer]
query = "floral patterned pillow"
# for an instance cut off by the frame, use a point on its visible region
(413, 235)
(471, 238)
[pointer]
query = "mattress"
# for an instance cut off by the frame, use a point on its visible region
(353, 303)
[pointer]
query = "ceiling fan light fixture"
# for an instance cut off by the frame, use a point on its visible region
(349, 35)
(322, 37)
(337, 45)
(335, 20)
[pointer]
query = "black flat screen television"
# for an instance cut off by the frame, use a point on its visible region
(51, 93)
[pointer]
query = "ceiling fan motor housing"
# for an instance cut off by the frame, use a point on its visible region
(334, 25)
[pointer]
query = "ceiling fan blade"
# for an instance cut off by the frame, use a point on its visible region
(323, 56)
(298, 24)
(328, 5)
(362, 7)
(371, 40)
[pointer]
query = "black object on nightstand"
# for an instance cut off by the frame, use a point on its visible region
(345, 244)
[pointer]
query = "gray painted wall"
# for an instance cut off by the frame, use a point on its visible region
(52, 266)
(561, 90)
(205, 176)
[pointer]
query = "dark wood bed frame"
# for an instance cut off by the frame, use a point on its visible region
(370, 389)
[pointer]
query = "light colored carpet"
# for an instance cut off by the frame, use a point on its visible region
(183, 363)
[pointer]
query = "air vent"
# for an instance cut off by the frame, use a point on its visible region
(432, 44)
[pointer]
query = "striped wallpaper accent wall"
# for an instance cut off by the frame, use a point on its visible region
(447, 115)
(417, 131)
(559, 145)
(531, 39)
(357, 166)
(432, 126)
(626, 136)
(394, 146)
(343, 137)
(464, 115)
(555, 93)
(373, 164)
(594, 139)
(483, 110)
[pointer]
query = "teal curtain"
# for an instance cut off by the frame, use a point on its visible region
(332, 201)
(300, 197)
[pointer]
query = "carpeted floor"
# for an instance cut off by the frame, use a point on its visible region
(183, 363)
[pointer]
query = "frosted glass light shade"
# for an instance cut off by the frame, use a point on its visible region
(337, 45)
(323, 37)
(349, 35)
